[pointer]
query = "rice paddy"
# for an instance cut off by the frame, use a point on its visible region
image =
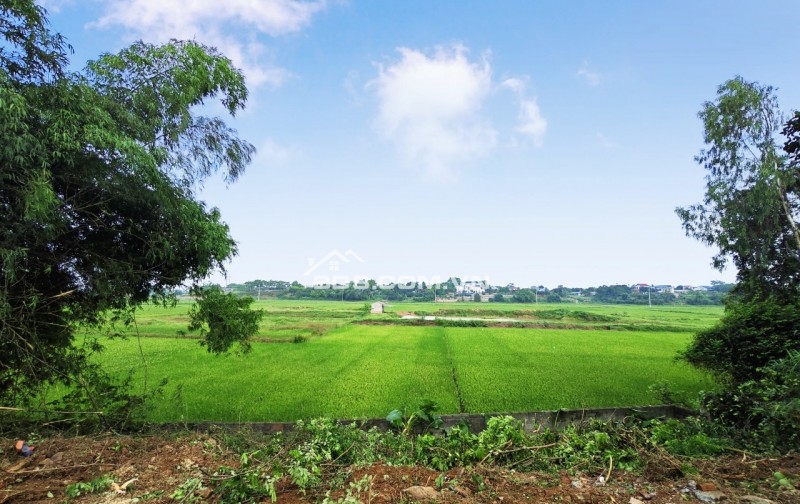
(587, 356)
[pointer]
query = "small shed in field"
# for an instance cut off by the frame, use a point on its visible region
(377, 307)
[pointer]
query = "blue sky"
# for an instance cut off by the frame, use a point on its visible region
(534, 142)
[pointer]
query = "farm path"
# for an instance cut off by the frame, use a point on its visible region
(464, 319)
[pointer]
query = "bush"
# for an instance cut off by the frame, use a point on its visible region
(752, 334)
(764, 413)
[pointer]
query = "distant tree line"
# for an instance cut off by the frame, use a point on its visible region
(371, 291)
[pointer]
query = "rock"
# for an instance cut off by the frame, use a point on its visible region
(422, 493)
(648, 496)
(577, 484)
(56, 457)
(755, 499)
(634, 500)
(707, 487)
(713, 496)
(690, 487)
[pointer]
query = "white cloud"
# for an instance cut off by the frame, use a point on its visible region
(514, 84)
(531, 122)
(590, 77)
(209, 22)
(429, 106)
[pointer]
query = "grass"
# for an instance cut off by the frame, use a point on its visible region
(355, 371)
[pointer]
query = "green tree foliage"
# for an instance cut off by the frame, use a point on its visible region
(524, 296)
(752, 334)
(97, 178)
(223, 319)
(750, 212)
(613, 294)
(765, 412)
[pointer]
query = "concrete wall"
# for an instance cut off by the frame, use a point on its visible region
(555, 419)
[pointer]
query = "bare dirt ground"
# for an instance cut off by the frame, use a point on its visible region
(162, 464)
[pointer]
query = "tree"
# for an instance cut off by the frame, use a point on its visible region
(524, 296)
(749, 212)
(224, 319)
(752, 201)
(97, 177)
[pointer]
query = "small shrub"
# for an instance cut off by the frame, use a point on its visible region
(690, 438)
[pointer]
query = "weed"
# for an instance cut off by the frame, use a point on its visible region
(358, 492)
(100, 484)
(425, 417)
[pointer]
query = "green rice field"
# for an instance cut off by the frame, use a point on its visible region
(353, 365)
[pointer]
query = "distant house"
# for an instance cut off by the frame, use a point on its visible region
(472, 287)
(377, 307)
(664, 289)
(642, 287)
